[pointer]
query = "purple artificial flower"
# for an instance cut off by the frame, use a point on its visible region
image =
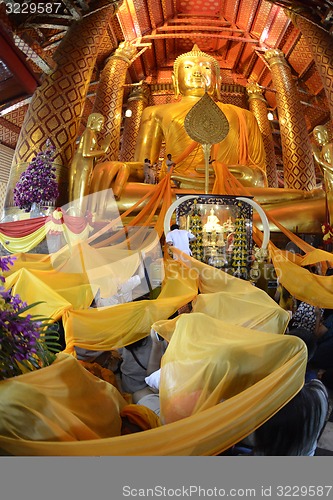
(37, 184)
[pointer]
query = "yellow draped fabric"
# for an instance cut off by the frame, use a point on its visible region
(210, 360)
(63, 403)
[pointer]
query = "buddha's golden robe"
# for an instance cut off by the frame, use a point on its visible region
(243, 144)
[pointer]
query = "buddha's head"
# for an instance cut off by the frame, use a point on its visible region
(95, 121)
(195, 73)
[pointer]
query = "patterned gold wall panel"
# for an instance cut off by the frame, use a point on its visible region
(239, 100)
(246, 14)
(6, 156)
(3, 188)
(299, 172)
(159, 53)
(261, 18)
(279, 22)
(313, 81)
(106, 47)
(116, 28)
(155, 11)
(161, 99)
(246, 59)
(229, 10)
(164, 76)
(300, 57)
(258, 71)
(234, 49)
(289, 38)
(168, 8)
(109, 100)
(57, 104)
(137, 71)
(142, 14)
(226, 76)
(321, 46)
(8, 138)
(194, 7)
(314, 116)
(148, 55)
(266, 77)
(17, 115)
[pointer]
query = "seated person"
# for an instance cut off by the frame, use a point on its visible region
(295, 429)
(139, 360)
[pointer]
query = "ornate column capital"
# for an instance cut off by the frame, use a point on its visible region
(125, 52)
(254, 91)
(275, 56)
(140, 93)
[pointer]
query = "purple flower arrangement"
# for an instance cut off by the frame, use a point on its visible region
(37, 184)
(27, 342)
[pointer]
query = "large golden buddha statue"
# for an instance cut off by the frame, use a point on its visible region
(195, 75)
(242, 149)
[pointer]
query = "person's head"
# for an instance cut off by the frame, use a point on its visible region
(307, 338)
(147, 160)
(294, 429)
(320, 134)
(195, 73)
(169, 156)
(173, 227)
(95, 121)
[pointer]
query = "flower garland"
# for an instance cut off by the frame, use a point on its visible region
(37, 184)
(26, 342)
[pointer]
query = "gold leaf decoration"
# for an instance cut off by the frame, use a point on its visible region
(206, 123)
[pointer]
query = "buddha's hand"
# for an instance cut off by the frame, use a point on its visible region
(115, 174)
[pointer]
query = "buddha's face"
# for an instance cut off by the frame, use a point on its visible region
(196, 75)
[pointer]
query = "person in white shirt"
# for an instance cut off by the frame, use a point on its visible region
(148, 172)
(180, 238)
(169, 162)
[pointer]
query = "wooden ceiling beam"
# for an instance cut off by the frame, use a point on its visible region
(199, 28)
(200, 35)
(198, 20)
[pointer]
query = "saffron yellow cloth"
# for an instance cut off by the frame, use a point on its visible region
(277, 362)
(62, 402)
(312, 288)
(209, 360)
(141, 416)
(63, 410)
(235, 352)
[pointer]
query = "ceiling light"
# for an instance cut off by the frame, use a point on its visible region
(270, 116)
(128, 113)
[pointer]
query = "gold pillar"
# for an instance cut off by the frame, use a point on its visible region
(258, 106)
(320, 44)
(298, 166)
(136, 103)
(57, 105)
(110, 94)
